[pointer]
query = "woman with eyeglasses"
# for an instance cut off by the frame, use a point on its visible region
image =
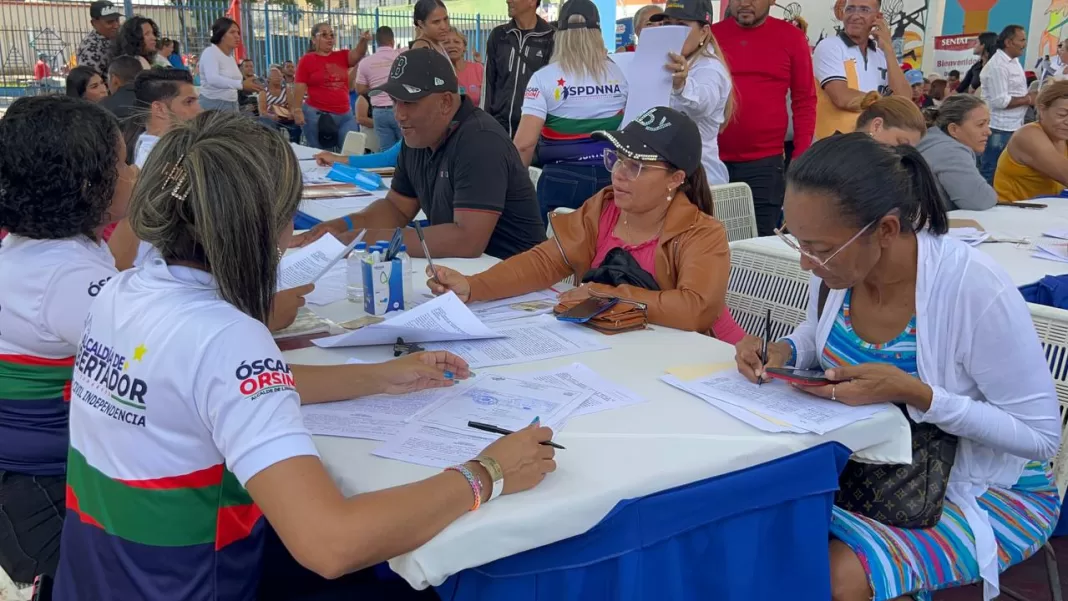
(320, 100)
(900, 313)
(654, 222)
(1059, 65)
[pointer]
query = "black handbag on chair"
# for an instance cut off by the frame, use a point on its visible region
(902, 496)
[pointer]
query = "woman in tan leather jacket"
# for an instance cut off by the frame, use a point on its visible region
(658, 208)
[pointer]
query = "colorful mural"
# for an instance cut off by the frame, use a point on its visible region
(907, 18)
(1057, 13)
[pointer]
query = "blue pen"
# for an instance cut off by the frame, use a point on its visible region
(451, 376)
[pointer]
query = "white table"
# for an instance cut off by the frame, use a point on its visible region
(1001, 221)
(671, 440)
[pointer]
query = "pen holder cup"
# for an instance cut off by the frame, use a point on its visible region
(355, 176)
(383, 287)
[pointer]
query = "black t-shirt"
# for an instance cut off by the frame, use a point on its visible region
(477, 168)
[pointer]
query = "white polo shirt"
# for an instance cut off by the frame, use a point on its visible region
(838, 58)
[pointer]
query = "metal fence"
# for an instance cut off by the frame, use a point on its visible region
(272, 33)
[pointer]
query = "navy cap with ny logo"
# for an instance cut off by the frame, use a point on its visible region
(659, 134)
(418, 73)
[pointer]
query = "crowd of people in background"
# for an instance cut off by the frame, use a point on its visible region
(856, 154)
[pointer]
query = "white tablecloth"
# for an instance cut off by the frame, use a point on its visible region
(672, 440)
(1001, 221)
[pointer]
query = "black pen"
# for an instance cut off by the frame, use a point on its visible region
(426, 253)
(767, 339)
(497, 430)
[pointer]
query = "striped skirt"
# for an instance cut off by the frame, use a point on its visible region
(916, 562)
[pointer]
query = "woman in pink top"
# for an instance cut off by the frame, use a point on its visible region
(658, 210)
(469, 73)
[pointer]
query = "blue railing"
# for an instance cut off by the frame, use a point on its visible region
(272, 33)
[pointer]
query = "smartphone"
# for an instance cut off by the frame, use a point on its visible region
(587, 309)
(1027, 205)
(799, 377)
(42, 588)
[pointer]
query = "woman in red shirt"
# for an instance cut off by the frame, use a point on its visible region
(322, 80)
(469, 74)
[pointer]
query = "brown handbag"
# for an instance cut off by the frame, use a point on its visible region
(624, 316)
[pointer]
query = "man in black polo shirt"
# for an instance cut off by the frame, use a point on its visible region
(456, 164)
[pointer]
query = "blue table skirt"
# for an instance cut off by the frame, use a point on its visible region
(759, 533)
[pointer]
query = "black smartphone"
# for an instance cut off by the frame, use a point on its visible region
(799, 377)
(42, 588)
(587, 309)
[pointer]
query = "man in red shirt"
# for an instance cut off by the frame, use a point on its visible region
(767, 58)
(41, 70)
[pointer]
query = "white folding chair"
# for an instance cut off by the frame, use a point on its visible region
(733, 206)
(1052, 327)
(765, 278)
(371, 142)
(535, 175)
(355, 143)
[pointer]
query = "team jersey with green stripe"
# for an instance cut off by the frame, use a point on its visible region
(46, 287)
(178, 399)
(574, 107)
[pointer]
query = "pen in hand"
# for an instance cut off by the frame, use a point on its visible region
(498, 430)
(764, 347)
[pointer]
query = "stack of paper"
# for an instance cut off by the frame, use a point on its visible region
(773, 406)
(304, 153)
(1051, 252)
(969, 235)
(305, 265)
(314, 174)
(306, 323)
(440, 436)
(533, 339)
(442, 319)
(527, 305)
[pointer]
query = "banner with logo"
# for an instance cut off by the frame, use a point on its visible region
(954, 52)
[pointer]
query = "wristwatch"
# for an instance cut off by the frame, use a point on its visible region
(495, 473)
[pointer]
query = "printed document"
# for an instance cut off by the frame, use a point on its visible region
(651, 82)
(377, 417)
(435, 447)
(778, 402)
(605, 395)
(302, 265)
(533, 339)
(442, 319)
(304, 153)
(517, 307)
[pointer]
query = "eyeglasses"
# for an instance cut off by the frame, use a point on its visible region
(326, 34)
(821, 263)
(864, 10)
(629, 169)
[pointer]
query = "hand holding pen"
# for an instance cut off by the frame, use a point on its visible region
(524, 457)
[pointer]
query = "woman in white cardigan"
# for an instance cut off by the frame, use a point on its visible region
(220, 77)
(916, 318)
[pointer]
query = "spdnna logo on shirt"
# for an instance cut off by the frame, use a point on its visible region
(263, 376)
(564, 91)
(104, 382)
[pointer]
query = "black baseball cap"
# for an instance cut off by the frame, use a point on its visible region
(418, 73)
(583, 8)
(659, 134)
(102, 9)
(686, 10)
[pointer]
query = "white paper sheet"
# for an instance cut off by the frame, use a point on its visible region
(1061, 234)
(624, 60)
(647, 67)
(303, 153)
(969, 235)
(534, 339)
(738, 413)
(435, 447)
(1052, 251)
(577, 376)
(314, 174)
(330, 288)
(444, 318)
(509, 403)
(778, 402)
(348, 203)
(302, 265)
(517, 307)
(377, 417)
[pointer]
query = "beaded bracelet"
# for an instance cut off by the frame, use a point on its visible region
(476, 485)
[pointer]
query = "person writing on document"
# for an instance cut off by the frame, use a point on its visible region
(899, 312)
(658, 212)
(456, 164)
(859, 62)
(225, 456)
